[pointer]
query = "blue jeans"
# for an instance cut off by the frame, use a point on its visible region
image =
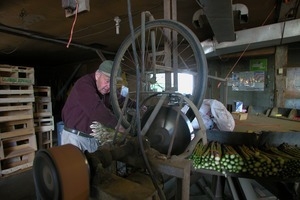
(83, 143)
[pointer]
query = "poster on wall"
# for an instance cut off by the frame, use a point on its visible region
(248, 81)
(258, 64)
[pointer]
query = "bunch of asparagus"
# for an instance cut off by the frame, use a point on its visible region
(260, 163)
(218, 157)
(272, 161)
(291, 155)
(282, 161)
(103, 134)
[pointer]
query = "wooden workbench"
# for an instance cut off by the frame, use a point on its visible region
(257, 123)
(256, 130)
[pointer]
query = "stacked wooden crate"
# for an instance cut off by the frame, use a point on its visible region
(43, 117)
(17, 133)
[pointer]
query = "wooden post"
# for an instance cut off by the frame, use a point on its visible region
(280, 79)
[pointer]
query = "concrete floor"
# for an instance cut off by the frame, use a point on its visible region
(20, 186)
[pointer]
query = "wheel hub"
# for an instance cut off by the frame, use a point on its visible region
(163, 129)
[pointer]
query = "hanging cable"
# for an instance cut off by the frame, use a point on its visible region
(73, 25)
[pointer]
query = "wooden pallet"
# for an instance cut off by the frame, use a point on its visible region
(16, 112)
(16, 75)
(42, 107)
(43, 103)
(16, 94)
(43, 122)
(44, 139)
(42, 91)
(17, 153)
(44, 125)
(17, 128)
(17, 132)
(18, 163)
(16, 119)
(16, 146)
(43, 119)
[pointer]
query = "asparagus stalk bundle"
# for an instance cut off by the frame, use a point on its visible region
(260, 163)
(206, 156)
(290, 149)
(291, 167)
(232, 160)
(214, 156)
(282, 161)
(102, 133)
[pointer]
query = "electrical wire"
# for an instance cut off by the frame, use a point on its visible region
(122, 17)
(73, 25)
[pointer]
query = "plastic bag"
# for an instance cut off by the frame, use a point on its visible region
(214, 114)
(205, 113)
(222, 117)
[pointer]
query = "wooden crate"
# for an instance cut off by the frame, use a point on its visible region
(44, 125)
(16, 128)
(43, 103)
(16, 94)
(16, 146)
(43, 122)
(16, 75)
(43, 119)
(17, 132)
(14, 112)
(12, 165)
(17, 153)
(42, 107)
(239, 115)
(42, 91)
(16, 119)
(44, 139)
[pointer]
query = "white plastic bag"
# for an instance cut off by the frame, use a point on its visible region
(206, 116)
(222, 117)
(214, 114)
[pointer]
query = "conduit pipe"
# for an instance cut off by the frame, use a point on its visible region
(39, 36)
(259, 37)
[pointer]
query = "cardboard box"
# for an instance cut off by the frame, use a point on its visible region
(239, 115)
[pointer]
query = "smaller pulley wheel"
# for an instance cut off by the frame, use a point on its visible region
(163, 129)
(61, 173)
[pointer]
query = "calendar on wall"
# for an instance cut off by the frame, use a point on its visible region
(248, 81)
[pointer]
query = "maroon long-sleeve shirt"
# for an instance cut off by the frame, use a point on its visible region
(85, 105)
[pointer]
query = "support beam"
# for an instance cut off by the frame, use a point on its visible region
(281, 56)
(256, 38)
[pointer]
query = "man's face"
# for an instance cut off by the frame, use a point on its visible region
(102, 82)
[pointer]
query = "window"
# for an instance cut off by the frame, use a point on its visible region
(185, 83)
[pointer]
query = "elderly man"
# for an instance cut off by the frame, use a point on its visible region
(89, 102)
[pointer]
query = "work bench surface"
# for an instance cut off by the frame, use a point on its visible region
(257, 123)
